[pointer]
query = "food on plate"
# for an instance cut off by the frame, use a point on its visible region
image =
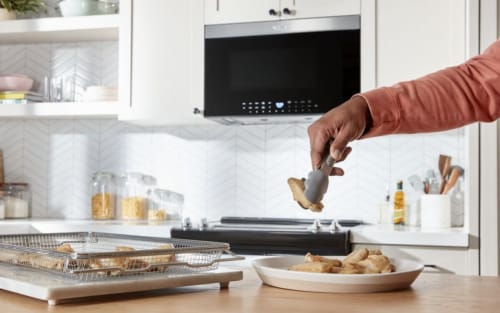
(298, 186)
(360, 261)
(318, 258)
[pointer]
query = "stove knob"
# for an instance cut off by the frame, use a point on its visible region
(316, 226)
(203, 223)
(186, 223)
(334, 226)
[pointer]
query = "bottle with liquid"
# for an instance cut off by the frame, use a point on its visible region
(399, 205)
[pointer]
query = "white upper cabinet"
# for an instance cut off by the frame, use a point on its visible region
(318, 8)
(244, 11)
(415, 38)
(163, 49)
(238, 11)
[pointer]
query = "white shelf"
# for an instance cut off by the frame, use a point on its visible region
(60, 29)
(60, 109)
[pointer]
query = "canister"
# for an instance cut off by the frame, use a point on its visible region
(103, 199)
(17, 199)
(134, 190)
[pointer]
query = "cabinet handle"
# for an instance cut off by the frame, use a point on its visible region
(197, 111)
(273, 12)
(287, 11)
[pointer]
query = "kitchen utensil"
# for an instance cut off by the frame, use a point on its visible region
(316, 183)
(435, 211)
(417, 183)
(431, 179)
(444, 167)
(455, 174)
(274, 272)
(111, 256)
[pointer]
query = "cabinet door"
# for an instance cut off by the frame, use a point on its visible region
(166, 52)
(415, 38)
(240, 11)
(318, 8)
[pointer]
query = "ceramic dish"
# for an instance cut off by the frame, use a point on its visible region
(274, 272)
(15, 82)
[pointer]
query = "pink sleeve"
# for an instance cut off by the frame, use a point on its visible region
(443, 100)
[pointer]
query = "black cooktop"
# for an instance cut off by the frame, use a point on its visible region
(263, 236)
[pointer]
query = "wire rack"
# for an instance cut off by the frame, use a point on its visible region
(98, 256)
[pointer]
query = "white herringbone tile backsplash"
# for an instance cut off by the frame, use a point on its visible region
(221, 170)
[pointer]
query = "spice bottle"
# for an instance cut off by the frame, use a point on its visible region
(399, 205)
(103, 200)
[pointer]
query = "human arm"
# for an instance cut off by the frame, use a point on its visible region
(446, 99)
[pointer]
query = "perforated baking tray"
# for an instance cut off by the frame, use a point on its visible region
(98, 256)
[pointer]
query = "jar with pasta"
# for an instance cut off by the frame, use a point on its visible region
(103, 200)
(134, 195)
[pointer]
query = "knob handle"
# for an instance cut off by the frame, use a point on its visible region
(273, 12)
(197, 111)
(287, 11)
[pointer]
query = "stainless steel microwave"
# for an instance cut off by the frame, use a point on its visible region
(281, 71)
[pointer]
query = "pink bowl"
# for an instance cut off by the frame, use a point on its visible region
(15, 82)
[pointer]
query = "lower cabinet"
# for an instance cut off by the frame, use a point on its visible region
(451, 260)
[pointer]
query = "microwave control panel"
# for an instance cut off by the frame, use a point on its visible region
(257, 107)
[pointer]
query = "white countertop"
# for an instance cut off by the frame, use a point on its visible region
(410, 235)
(365, 234)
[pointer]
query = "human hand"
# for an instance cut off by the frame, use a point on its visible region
(339, 126)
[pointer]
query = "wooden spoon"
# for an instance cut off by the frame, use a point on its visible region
(455, 174)
(444, 168)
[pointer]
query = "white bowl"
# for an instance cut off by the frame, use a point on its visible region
(15, 82)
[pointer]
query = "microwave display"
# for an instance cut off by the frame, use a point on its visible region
(288, 73)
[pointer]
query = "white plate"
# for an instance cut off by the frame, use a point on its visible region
(274, 272)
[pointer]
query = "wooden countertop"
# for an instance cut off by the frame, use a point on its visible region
(429, 293)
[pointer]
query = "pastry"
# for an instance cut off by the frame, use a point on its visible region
(297, 187)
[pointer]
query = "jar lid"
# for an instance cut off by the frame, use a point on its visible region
(103, 175)
(14, 186)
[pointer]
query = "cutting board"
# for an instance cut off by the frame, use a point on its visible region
(55, 288)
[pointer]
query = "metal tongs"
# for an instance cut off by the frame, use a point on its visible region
(316, 183)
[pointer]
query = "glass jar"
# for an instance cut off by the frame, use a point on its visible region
(103, 200)
(17, 199)
(165, 205)
(134, 190)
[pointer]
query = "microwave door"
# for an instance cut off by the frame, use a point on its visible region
(288, 76)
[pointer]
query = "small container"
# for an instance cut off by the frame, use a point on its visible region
(435, 211)
(134, 191)
(17, 199)
(165, 205)
(103, 200)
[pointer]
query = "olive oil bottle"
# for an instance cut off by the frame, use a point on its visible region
(399, 205)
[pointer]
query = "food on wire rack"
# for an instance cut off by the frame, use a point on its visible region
(111, 266)
(361, 261)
